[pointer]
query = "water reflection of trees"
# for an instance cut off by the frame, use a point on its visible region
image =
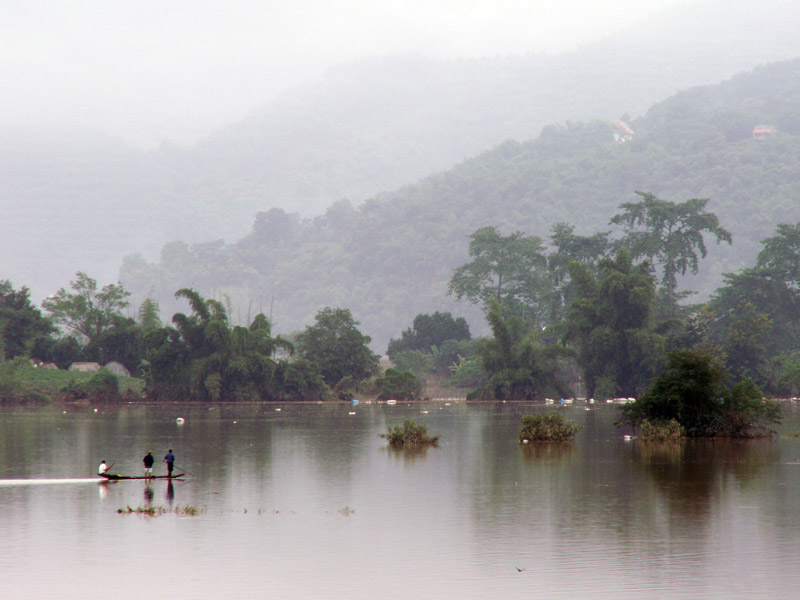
(410, 454)
(603, 486)
(690, 474)
(548, 451)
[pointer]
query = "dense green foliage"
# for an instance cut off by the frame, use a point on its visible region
(398, 385)
(428, 331)
(87, 311)
(662, 431)
(512, 270)
(756, 315)
(549, 427)
(23, 329)
(409, 434)
(611, 326)
(338, 347)
(691, 390)
(204, 357)
(517, 366)
(669, 234)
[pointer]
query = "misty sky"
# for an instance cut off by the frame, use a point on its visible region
(175, 69)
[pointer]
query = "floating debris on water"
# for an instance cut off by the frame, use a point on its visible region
(157, 511)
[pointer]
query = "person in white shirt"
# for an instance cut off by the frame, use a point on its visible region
(102, 468)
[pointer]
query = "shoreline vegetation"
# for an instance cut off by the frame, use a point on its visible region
(599, 316)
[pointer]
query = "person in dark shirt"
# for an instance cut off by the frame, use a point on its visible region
(170, 460)
(148, 464)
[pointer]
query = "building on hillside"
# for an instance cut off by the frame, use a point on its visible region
(763, 132)
(622, 133)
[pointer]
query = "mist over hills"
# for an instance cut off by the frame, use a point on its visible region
(80, 200)
(391, 257)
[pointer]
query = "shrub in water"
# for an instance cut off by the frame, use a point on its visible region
(550, 427)
(660, 431)
(410, 434)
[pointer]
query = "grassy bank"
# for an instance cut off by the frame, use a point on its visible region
(49, 383)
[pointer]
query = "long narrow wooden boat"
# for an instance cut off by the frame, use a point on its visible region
(114, 477)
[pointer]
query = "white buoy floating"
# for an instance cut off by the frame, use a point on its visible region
(180, 420)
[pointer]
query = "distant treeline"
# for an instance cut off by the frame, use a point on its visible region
(598, 314)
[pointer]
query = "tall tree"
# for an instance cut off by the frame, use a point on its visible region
(771, 288)
(512, 269)
(148, 315)
(670, 235)
(338, 347)
(429, 330)
(517, 365)
(22, 326)
(85, 310)
(610, 325)
(568, 247)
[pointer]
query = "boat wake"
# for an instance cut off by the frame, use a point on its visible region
(9, 482)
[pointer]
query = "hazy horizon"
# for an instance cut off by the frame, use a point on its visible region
(153, 72)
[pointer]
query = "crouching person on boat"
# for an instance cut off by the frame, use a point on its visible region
(102, 469)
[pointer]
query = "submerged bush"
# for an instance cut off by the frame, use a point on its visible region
(409, 434)
(691, 390)
(550, 427)
(660, 431)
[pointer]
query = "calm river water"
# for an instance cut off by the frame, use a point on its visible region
(308, 502)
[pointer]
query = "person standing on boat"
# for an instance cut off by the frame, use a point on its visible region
(170, 460)
(102, 469)
(148, 464)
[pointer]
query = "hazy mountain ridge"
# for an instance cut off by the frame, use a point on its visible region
(391, 257)
(80, 200)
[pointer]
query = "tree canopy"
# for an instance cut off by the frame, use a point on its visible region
(692, 391)
(338, 347)
(428, 331)
(610, 324)
(510, 269)
(670, 235)
(23, 329)
(85, 310)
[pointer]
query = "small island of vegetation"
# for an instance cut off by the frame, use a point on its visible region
(550, 427)
(690, 398)
(409, 434)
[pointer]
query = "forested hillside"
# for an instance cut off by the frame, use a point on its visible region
(81, 200)
(390, 258)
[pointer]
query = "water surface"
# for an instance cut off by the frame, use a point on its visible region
(308, 501)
